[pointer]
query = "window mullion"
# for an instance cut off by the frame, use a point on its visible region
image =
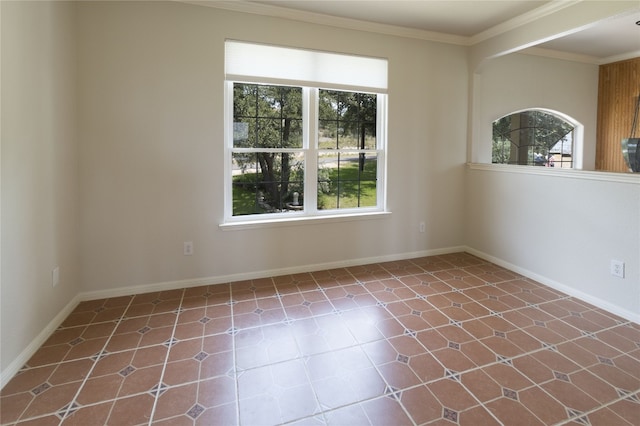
(310, 143)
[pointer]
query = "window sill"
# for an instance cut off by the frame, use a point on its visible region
(632, 178)
(302, 220)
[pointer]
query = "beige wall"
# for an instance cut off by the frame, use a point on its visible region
(151, 120)
(112, 157)
(40, 191)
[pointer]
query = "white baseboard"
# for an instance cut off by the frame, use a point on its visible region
(28, 352)
(571, 291)
(15, 365)
(172, 285)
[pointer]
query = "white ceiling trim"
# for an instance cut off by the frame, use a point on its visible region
(556, 54)
(525, 18)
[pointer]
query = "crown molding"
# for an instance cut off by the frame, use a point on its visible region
(332, 21)
(526, 18)
(557, 54)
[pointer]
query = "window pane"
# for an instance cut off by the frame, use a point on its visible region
(265, 182)
(533, 138)
(267, 116)
(347, 180)
(347, 120)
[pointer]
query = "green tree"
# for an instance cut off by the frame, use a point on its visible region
(268, 117)
(518, 137)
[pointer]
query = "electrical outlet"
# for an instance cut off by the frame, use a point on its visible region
(422, 227)
(188, 248)
(617, 268)
(55, 276)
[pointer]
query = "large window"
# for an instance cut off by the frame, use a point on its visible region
(302, 149)
(535, 138)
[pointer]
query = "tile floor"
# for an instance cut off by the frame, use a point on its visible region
(438, 340)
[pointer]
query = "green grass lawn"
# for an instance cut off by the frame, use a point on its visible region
(343, 187)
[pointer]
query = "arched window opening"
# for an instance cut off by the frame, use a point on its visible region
(534, 138)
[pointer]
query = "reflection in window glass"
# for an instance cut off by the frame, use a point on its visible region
(534, 138)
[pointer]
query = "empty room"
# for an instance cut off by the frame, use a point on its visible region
(320, 213)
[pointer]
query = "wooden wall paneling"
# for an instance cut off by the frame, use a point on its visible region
(618, 89)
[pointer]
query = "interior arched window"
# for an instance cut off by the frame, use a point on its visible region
(534, 138)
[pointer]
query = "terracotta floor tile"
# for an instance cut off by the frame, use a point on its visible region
(511, 412)
(13, 406)
(177, 401)
(437, 340)
(481, 385)
(132, 410)
(477, 416)
(569, 395)
(452, 395)
(628, 408)
(92, 414)
(420, 403)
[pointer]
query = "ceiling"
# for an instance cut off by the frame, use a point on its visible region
(611, 38)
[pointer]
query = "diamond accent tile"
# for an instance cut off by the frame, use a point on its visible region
(504, 360)
(576, 314)
(201, 355)
(76, 341)
(408, 332)
(449, 414)
(456, 323)
(288, 321)
(561, 376)
(38, 390)
(195, 411)
(144, 330)
(499, 334)
(606, 361)
(306, 303)
(381, 304)
(496, 314)
(492, 297)
(456, 304)
(67, 410)
(204, 320)
(156, 302)
(416, 313)
(178, 311)
(402, 358)
(628, 395)
(158, 389)
(550, 347)
(532, 305)
(392, 392)
(258, 311)
(170, 342)
(540, 323)
(575, 414)
(99, 355)
(350, 296)
(232, 302)
(232, 331)
(589, 334)
(454, 345)
(100, 309)
(127, 370)
(453, 375)
(509, 393)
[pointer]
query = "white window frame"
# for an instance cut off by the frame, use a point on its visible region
(310, 140)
